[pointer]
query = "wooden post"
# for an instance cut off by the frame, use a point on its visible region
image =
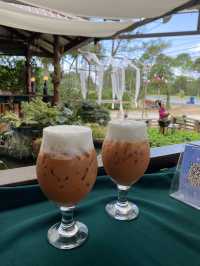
(57, 69)
(28, 71)
(144, 111)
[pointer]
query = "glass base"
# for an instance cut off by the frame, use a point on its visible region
(122, 211)
(65, 239)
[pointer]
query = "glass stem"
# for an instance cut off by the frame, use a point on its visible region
(122, 195)
(68, 226)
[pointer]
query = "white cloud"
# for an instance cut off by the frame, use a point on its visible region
(190, 74)
(196, 48)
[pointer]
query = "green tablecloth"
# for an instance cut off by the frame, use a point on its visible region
(166, 233)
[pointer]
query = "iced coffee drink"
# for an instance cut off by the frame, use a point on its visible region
(125, 157)
(66, 171)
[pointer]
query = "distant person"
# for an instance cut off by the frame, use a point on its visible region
(126, 115)
(163, 117)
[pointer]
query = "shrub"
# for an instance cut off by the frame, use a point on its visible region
(68, 115)
(11, 118)
(39, 113)
(93, 113)
(98, 131)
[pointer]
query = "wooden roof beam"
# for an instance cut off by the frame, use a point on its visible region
(46, 41)
(67, 38)
(29, 40)
(46, 52)
(76, 43)
(34, 36)
(16, 33)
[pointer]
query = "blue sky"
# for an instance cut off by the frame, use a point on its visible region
(180, 22)
(178, 45)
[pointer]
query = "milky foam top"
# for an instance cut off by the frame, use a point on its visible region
(71, 140)
(127, 130)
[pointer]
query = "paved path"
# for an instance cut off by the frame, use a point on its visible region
(190, 111)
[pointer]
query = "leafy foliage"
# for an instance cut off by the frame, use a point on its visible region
(180, 136)
(11, 118)
(93, 113)
(184, 60)
(156, 139)
(152, 49)
(98, 131)
(12, 74)
(39, 113)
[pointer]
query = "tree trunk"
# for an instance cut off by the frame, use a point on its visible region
(168, 99)
(28, 71)
(57, 69)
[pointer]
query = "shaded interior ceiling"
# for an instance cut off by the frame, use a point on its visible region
(16, 42)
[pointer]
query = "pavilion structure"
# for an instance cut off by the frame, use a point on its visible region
(51, 28)
(60, 33)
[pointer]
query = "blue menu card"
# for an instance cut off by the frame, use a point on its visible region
(188, 189)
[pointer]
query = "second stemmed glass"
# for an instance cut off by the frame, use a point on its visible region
(125, 155)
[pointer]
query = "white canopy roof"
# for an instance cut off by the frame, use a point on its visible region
(33, 19)
(110, 8)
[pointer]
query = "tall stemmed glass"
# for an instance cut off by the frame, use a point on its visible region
(66, 171)
(125, 157)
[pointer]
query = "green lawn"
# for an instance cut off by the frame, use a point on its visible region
(180, 136)
(156, 139)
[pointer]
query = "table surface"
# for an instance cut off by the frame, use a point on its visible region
(167, 232)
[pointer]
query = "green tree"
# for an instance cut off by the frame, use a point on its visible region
(12, 74)
(197, 64)
(151, 50)
(149, 53)
(161, 73)
(183, 61)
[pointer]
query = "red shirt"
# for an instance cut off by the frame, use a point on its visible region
(162, 112)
